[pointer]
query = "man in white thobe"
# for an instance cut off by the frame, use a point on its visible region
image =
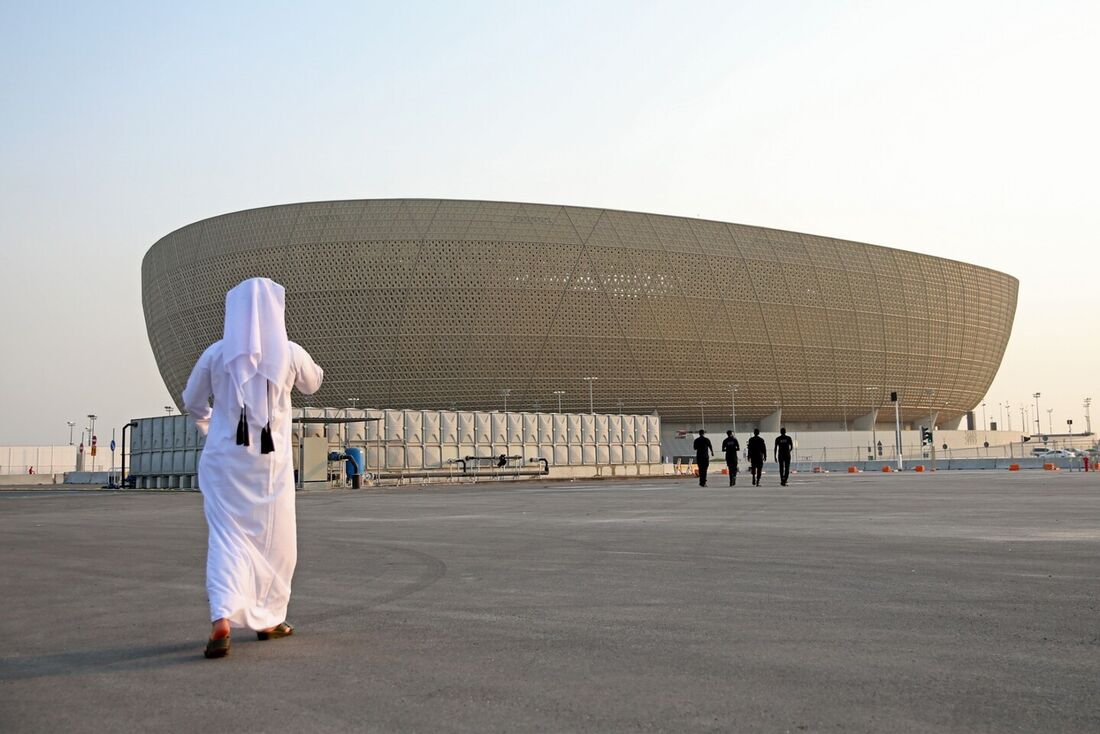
(246, 472)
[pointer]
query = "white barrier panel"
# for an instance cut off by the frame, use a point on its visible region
(448, 428)
(168, 433)
(641, 454)
(483, 428)
(312, 430)
(414, 457)
(603, 454)
(433, 457)
(158, 433)
(653, 430)
(630, 455)
(654, 453)
(615, 429)
(191, 435)
(574, 438)
(182, 428)
(515, 428)
(414, 433)
(178, 461)
(466, 428)
(143, 436)
(546, 451)
(500, 429)
(641, 429)
(395, 425)
(588, 429)
(395, 457)
(137, 465)
(429, 421)
(156, 462)
(530, 430)
(603, 429)
(377, 428)
(560, 434)
(448, 453)
(466, 449)
(546, 428)
(629, 434)
(588, 455)
(375, 456)
(190, 462)
(576, 458)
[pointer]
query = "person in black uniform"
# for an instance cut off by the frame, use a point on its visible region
(758, 452)
(703, 452)
(784, 446)
(731, 447)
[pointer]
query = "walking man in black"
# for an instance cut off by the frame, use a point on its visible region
(784, 446)
(758, 452)
(731, 447)
(703, 452)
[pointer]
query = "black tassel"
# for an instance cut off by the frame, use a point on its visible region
(267, 444)
(242, 431)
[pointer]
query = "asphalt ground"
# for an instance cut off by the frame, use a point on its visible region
(889, 603)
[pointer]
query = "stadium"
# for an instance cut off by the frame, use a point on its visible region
(480, 305)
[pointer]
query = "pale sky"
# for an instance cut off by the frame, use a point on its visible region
(962, 129)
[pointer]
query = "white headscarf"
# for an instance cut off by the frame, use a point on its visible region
(255, 347)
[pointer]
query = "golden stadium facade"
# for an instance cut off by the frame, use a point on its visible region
(424, 303)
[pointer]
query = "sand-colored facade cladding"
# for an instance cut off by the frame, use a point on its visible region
(423, 303)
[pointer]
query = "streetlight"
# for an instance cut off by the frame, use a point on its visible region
(91, 434)
(168, 409)
(733, 406)
(702, 417)
(985, 423)
(505, 393)
(1050, 420)
(1038, 423)
(1088, 420)
(70, 424)
(590, 380)
(559, 393)
(1008, 414)
(874, 435)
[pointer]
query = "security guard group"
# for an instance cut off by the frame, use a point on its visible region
(756, 451)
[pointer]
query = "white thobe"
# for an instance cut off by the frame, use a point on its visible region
(248, 497)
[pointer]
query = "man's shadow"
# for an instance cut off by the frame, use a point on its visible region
(86, 661)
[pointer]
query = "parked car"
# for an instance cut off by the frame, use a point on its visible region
(1057, 454)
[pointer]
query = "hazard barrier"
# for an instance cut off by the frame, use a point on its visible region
(918, 467)
(852, 470)
(887, 469)
(1050, 467)
(1014, 467)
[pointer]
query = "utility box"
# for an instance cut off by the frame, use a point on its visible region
(312, 461)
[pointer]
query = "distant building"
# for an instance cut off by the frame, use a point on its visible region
(423, 303)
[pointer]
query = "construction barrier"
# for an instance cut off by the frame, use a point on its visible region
(1014, 467)
(918, 467)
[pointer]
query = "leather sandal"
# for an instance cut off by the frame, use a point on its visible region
(218, 648)
(280, 630)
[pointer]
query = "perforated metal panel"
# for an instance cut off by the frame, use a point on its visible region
(429, 304)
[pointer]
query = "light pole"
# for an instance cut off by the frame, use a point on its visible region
(702, 418)
(559, 393)
(590, 380)
(168, 409)
(1008, 414)
(1038, 423)
(70, 424)
(1088, 419)
(91, 434)
(505, 393)
(874, 435)
(733, 406)
(985, 423)
(1050, 420)
(1000, 416)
